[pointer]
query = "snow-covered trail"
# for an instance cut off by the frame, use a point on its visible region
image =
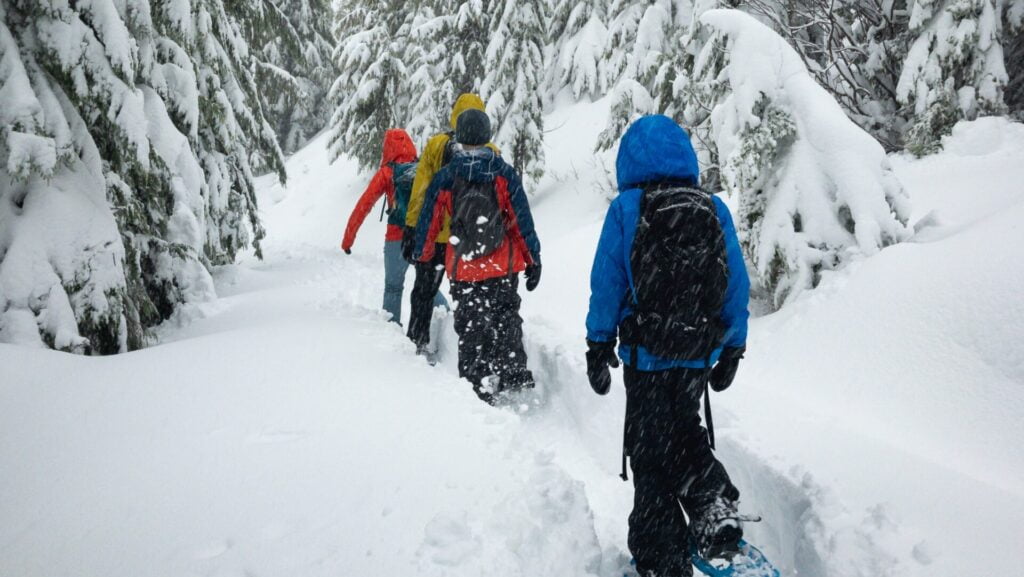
(287, 429)
(288, 432)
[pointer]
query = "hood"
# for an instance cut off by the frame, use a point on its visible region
(466, 102)
(478, 165)
(398, 147)
(655, 149)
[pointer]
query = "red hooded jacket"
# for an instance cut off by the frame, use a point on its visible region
(398, 148)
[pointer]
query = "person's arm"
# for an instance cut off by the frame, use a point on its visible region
(523, 218)
(430, 163)
(609, 282)
(379, 185)
(431, 217)
(737, 293)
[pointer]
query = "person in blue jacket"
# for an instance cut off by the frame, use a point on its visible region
(669, 449)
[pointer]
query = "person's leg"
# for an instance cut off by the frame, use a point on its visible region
(471, 328)
(704, 488)
(701, 476)
(658, 537)
(394, 279)
(507, 354)
(424, 290)
(439, 300)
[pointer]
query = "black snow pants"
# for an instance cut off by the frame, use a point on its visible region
(491, 335)
(421, 302)
(672, 465)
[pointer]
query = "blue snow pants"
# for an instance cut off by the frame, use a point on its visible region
(394, 281)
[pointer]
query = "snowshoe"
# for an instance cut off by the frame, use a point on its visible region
(745, 561)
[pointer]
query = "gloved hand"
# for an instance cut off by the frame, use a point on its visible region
(599, 357)
(725, 369)
(532, 276)
(347, 250)
(408, 242)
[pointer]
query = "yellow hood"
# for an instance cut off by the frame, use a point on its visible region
(466, 102)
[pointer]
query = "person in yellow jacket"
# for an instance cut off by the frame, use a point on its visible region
(437, 153)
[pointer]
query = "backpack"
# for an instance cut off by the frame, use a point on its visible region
(402, 175)
(680, 275)
(477, 223)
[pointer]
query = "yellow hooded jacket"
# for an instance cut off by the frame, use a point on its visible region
(430, 163)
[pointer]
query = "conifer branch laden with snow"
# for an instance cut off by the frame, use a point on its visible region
(294, 65)
(512, 87)
(127, 165)
(814, 190)
(955, 69)
(577, 35)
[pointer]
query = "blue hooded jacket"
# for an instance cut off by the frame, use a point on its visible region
(655, 149)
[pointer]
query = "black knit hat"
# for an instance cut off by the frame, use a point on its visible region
(473, 128)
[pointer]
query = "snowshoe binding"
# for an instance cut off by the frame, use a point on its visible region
(716, 528)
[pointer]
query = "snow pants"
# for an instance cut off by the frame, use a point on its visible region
(674, 469)
(394, 281)
(425, 295)
(491, 335)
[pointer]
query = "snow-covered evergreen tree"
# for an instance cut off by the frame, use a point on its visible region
(513, 84)
(368, 93)
(1014, 49)
(641, 60)
(432, 69)
(855, 49)
(294, 65)
(955, 68)
(466, 42)
(577, 36)
(128, 135)
(446, 56)
(813, 189)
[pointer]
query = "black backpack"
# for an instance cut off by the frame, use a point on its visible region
(478, 222)
(680, 275)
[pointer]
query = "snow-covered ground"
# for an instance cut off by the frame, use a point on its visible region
(287, 429)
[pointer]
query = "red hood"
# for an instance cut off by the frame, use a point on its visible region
(398, 147)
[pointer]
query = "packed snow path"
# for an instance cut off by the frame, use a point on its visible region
(287, 429)
(291, 430)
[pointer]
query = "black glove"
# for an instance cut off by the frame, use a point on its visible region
(532, 276)
(725, 370)
(599, 357)
(408, 244)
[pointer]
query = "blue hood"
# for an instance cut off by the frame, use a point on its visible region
(655, 149)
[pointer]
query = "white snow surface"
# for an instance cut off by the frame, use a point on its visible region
(288, 429)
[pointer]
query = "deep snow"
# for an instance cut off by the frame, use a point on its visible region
(287, 429)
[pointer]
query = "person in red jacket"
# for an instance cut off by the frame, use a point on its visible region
(394, 180)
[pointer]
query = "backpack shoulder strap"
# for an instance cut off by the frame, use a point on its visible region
(449, 148)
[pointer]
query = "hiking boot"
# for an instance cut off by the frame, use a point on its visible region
(717, 528)
(429, 353)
